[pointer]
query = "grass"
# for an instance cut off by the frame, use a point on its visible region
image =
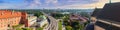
(27, 28)
(60, 25)
(17, 26)
(39, 28)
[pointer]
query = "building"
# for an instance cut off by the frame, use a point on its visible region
(108, 18)
(74, 17)
(31, 20)
(9, 19)
(94, 14)
(42, 21)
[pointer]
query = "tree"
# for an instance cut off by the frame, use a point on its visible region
(68, 28)
(57, 15)
(85, 14)
(65, 20)
(76, 25)
(38, 14)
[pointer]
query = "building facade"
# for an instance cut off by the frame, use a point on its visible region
(9, 19)
(108, 18)
(42, 21)
(30, 21)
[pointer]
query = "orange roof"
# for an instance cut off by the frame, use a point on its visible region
(9, 14)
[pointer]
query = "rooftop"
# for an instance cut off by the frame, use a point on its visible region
(77, 17)
(9, 14)
(31, 17)
(96, 12)
(110, 12)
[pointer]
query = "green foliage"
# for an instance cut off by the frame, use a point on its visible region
(17, 26)
(74, 25)
(68, 28)
(57, 15)
(27, 28)
(81, 27)
(44, 25)
(65, 20)
(38, 14)
(86, 22)
(19, 29)
(84, 14)
(39, 28)
(60, 25)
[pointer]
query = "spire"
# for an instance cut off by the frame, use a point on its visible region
(12, 12)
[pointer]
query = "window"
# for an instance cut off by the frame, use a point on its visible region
(0, 19)
(1, 25)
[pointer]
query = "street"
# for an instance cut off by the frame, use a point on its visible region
(53, 24)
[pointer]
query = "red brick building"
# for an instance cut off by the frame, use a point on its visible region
(78, 18)
(10, 18)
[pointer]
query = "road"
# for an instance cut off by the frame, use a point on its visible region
(53, 25)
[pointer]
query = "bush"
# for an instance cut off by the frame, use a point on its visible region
(19, 29)
(68, 28)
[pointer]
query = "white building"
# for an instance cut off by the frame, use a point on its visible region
(31, 20)
(43, 21)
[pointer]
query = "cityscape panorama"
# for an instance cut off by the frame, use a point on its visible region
(59, 14)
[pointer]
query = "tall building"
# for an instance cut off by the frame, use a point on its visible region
(9, 19)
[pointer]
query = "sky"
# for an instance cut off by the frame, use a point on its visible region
(53, 4)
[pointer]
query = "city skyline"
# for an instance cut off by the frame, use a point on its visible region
(52, 4)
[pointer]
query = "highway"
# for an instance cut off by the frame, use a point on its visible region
(53, 24)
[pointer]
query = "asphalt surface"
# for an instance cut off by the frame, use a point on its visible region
(53, 24)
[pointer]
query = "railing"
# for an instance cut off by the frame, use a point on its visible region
(108, 25)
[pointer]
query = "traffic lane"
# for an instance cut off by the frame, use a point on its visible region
(53, 22)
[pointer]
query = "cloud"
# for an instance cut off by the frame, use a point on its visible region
(51, 1)
(7, 6)
(115, 0)
(54, 2)
(99, 4)
(33, 4)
